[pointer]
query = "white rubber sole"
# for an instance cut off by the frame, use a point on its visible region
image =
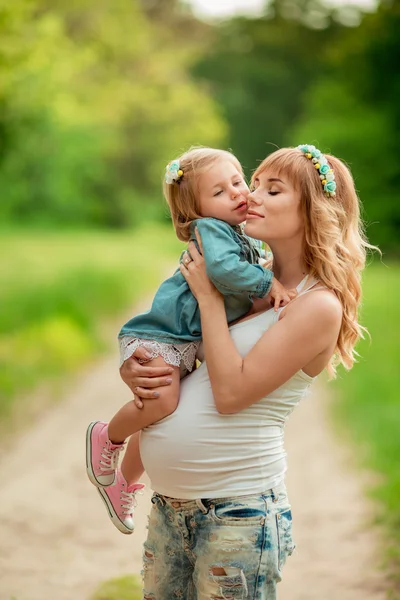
(89, 469)
(112, 514)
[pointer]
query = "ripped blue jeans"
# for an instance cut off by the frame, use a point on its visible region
(219, 549)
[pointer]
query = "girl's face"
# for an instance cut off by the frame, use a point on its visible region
(273, 209)
(223, 193)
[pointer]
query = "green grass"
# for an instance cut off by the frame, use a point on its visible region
(122, 588)
(369, 402)
(58, 289)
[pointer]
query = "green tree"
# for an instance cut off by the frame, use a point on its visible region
(259, 70)
(96, 98)
(354, 112)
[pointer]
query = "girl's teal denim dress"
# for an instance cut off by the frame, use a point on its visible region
(232, 265)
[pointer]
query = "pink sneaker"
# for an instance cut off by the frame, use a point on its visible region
(101, 455)
(120, 502)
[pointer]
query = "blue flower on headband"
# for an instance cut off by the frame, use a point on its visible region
(324, 169)
(330, 187)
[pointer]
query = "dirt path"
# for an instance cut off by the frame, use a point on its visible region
(337, 552)
(56, 542)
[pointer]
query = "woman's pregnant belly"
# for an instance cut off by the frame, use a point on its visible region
(198, 453)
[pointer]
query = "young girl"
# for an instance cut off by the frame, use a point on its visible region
(205, 189)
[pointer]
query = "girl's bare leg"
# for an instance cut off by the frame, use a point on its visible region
(132, 466)
(117, 487)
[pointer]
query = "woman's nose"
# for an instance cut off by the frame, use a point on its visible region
(252, 198)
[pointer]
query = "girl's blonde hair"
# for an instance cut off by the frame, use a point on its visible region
(183, 196)
(335, 245)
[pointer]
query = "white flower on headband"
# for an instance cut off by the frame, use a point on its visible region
(173, 172)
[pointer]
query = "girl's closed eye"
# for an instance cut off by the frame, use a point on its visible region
(218, 193)
(273, 192)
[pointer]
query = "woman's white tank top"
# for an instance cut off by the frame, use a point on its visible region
(198, 453)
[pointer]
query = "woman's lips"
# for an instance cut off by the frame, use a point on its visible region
(252, 214)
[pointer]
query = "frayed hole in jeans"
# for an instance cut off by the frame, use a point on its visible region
(218, 572)
(148, 560)
(231, 582)
(148, 555)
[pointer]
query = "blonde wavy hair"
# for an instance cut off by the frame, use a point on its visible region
(183, 197)
(335, 245)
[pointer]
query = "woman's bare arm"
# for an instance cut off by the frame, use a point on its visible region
(310, 326)
(306, 331)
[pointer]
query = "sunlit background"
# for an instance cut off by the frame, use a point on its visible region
(97, 96)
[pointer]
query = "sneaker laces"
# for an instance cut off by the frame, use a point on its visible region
(110, 458)
(129, 501)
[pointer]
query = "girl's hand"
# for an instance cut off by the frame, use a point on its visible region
(193, 268)
(143, 380)
(280, 296)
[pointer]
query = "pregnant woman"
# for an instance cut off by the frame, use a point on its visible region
(221, 524)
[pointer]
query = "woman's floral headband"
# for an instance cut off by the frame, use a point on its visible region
(173, 172)
(326, 174)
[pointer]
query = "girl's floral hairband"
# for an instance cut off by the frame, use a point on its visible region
(173, 172)
(326, 174)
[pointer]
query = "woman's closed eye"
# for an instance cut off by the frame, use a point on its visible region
(273, 192)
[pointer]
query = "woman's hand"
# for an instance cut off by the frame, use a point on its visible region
(143, 380)
(193, 268)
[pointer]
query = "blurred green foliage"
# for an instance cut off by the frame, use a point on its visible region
(260, 70)
(307, 73)
(57, 290)
(355, 112)
(95, 99)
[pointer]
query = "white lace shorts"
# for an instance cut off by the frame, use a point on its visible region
(176, 355)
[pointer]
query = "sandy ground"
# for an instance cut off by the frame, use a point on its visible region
(337, 550)
(57, 544)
